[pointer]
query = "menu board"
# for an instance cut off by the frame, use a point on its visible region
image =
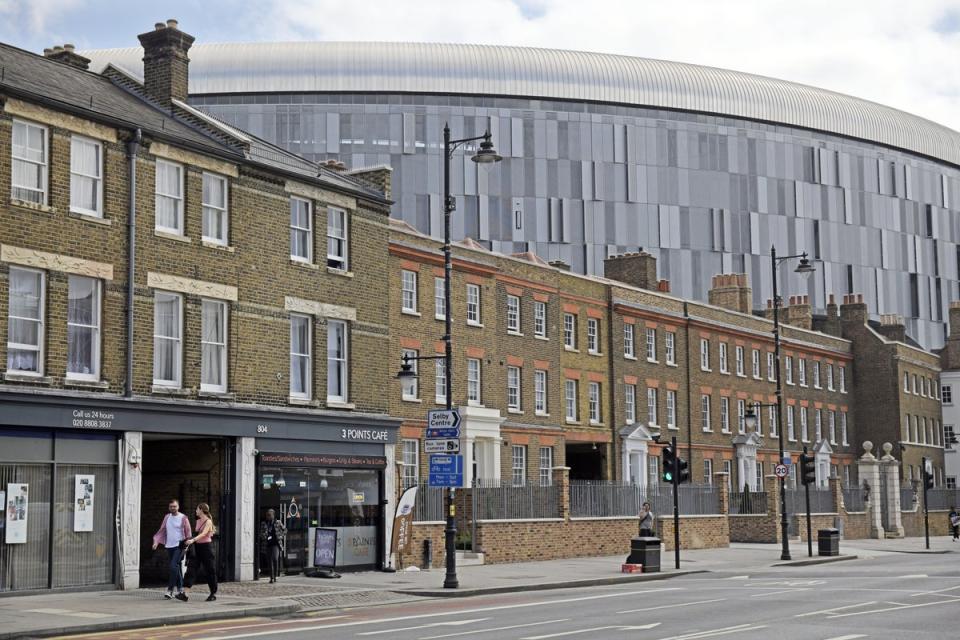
(16, 508)
(325, 548)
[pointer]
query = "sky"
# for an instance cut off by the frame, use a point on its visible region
(902, 53)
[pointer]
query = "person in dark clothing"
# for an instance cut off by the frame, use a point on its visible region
(954, 516)
(272, 537)
(203, 547)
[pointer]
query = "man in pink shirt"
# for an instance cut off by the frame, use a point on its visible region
(174, 529)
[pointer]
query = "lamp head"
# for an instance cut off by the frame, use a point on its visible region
(805, 267)
(406, 370)
(750, 419)
(487, 154)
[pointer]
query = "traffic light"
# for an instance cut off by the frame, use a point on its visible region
(667, 459)
(927, 479)
(808, 469)
(683, 474)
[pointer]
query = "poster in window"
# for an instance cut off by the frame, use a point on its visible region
(16, 506)
(3, 505)
(83, 502)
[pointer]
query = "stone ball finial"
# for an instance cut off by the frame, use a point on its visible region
(887, 448)
(867, 446)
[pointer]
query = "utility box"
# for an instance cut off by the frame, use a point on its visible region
(828, 542)
(645, 551)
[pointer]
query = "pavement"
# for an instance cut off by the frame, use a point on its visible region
(53, 614)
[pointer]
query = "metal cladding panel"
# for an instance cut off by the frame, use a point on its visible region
(544, 73)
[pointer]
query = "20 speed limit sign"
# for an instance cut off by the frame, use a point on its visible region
(780, 471)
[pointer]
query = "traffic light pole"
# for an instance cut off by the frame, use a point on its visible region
(926, 520)
(806, 490)
(676, 505)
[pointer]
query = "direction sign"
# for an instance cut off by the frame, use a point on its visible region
(780, 471)
(446, 470)
(443, 424)
(450, 445)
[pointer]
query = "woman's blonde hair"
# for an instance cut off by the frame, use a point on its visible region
(203, 506)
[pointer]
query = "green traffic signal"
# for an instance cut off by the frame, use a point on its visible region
(667, 464)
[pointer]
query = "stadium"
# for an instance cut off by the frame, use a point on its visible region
(704, 167)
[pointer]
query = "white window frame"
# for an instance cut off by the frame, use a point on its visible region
(97, 211)
(307, 230)
(843, 428)
(802, 371)
(177, 380)
(791, 427)
(410, 462)
(307, 356)
(593, 336)
(342, 363)
(651, 344)
(40, 321)
(570, 330)
(95, 329)
(946, 394)
(830, 377)
(741, 360)
(546, 466)
(341, 261)
(570, 399)
(593, 402)
(652, 409)
(771, 366)
(708, 471)
(440, 381)
(788, 366)
(513, 388)
(818, 424)
(772, 419)
(473, 305)
(816, 374)
(210, 209)
(832, 425)
(628, 345)
(474, 382)
(704, 354)
(513, 314)
(843, 379)
(518, 465)
(724, 414)
(741, 416)
(755, 360)
(206, 304)
(705, 418)
(671, 348)
(410, 389)
(439, 298)
(539, 319)
(407, 294)
(758, 411)
(177, 199)
(724, 363)
(671, 409)
(540, 392)
(42, 164)
(630, 403)
(906, 382)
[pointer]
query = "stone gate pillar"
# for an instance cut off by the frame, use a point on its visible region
(868, 470)
(890, 470)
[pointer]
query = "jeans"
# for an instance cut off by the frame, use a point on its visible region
(273, 551)
(202, 559)
(176, 577)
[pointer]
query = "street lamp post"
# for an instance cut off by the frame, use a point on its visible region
(804, 268)
(485, 155)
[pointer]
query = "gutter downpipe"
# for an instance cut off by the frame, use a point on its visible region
(133, 147)
(686, 317)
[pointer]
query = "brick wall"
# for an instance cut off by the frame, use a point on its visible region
(696, 532)
(913, 523)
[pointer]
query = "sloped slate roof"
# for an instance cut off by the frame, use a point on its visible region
(383, 67)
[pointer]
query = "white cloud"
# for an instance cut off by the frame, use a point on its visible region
(35, 14)
(882, 50)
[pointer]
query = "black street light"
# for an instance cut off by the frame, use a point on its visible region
(486, 154)
(805, 268)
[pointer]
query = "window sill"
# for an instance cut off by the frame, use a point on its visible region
(540, 414)
(757, 378)
(31, 206)
(595, 353)
(339, 272)
(439, 318)
(210, 244)
(218, 395)
(85, 384)
(629, 357)
(337, 404)
(571, 349)
(672, 364)
(516, 412)
(90, 217)
(170, 391)
(707, 430)
(706, 369)
(569, 421)
(653, 361)
(304, 264)
(515, 333)
(11, 376)
(596, 424)
(544, 338)
(726, 431)
(169, 235)
(673, 427)
(741, 375)
(407, 312)
(414, 400)
(726, 373)
(302, 402)
(477, 325)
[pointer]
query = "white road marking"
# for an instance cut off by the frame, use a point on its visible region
(450, 623)
(540, 603)
(459, 634)
(832, 609)
(710, 633)
(774, 593)
(738, 578)
(850, 637)
(670, 606)
(907, 606)
(55, 612)
(74, 614)
(579, 631)
(916, 575)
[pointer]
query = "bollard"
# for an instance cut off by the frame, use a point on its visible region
(427, 554)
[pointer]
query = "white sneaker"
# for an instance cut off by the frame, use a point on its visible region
(168, 595)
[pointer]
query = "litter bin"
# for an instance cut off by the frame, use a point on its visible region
(828, 542)
(645, 551)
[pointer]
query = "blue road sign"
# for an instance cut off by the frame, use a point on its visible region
(446, 470)
(442, 424)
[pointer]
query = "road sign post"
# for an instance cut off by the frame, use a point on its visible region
(780, 471)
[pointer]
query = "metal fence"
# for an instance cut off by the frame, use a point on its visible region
(430, 504)
(495, 501)
(909, 498)
(853, 499)
(748, 502)
(943, 498)
(821, 501)
(611, 499)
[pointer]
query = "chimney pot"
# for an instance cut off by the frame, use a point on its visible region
(831, 299)
(69, 47)
(47, 52)
(172, 23)
(664, 286)
(859, 298)
(159, 26)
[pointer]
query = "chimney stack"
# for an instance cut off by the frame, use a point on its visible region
(559, 264)
(799, 313)
(67, 55)
(731, 291)
(950, 356)
(892, 327)
(853, 311)
(165, 62)
(635, 269)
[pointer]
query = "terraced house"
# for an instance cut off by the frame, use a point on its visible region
(187, 308)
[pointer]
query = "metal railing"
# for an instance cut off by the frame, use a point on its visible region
(748, 503)
(493, 500)
(599, 499)
(430, 504)
(821, 501)
(942, 499)
(853, 499)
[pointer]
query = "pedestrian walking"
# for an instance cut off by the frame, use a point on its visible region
(646, 521)
(202, 558)
(272, 536)
(174, 530)
(954, 516)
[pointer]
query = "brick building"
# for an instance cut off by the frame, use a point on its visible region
(171, 286)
